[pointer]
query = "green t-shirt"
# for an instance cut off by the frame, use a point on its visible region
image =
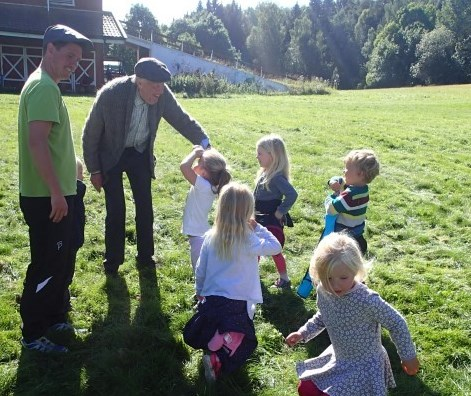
(41, 100)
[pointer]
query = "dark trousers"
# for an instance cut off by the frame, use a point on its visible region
(358, 237)
(70, 277)
(42, 302)
(136, 167)
(361, 242)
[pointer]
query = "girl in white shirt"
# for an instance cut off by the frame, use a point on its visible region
(228, 283)
(206, 177)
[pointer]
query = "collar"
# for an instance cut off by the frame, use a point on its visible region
(138, 101)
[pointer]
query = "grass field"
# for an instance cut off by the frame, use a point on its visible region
(419, 232)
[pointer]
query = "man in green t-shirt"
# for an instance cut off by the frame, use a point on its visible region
(47, 178)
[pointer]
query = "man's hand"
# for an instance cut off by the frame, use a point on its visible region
(59, 208)
(197, 151)
(97, 181)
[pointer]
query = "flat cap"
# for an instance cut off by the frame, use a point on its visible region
(65, 34)
(152, 69)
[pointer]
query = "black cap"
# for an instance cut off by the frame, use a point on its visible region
(65, 34)
(152, 69)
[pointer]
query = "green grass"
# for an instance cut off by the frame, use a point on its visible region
(419, 234)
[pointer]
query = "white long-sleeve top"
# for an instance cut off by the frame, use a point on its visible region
(239, 277)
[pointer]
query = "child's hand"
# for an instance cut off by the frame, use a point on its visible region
(410, 367)
(336, 184)
(293, 338)
(278, 215)
(198, 151)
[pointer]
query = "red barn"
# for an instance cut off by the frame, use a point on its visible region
(22, 25)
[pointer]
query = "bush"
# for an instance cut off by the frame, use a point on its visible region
(199, 85)
(314, 86)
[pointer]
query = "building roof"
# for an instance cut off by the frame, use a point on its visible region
(20, 20)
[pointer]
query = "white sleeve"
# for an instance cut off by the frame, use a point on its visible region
(264, 243)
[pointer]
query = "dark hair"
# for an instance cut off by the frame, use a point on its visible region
(57, 44)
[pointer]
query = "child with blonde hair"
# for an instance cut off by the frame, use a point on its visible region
(274, 196)
(346, 207)
(351, 194)
(228, 283)
(207, 177)
(356, 363)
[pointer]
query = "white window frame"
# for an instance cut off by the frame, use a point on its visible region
(69, 3)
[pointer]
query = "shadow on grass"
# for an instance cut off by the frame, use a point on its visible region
(287, 312)
(121, 356)
(234, 384)
(137, 357)
(406, 385)
(284, 309)
(41, 374)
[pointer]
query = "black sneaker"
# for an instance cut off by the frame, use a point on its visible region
(62, 327)
(43, 345)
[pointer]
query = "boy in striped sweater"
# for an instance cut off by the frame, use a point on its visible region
(350, 198)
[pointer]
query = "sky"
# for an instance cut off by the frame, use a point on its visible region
(166, 11)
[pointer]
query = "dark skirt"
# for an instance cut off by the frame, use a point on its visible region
(224, 315)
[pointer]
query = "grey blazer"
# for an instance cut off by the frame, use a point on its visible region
(107, 124)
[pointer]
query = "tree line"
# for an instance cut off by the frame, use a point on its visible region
(351, 43)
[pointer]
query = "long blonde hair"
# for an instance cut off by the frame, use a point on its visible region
(334, 249)
(231, 225)
(216, 168)
(275, 146)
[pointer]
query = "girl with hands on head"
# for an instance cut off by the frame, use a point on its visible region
(206, 171)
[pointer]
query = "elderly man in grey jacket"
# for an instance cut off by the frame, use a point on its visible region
(118, 137)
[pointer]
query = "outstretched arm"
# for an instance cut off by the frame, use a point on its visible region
(179, 119)
(312, 328)
(395, 323)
